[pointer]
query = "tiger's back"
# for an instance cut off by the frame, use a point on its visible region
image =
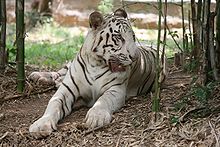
(142, 76)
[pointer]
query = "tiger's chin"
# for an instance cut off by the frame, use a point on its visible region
(115, 67)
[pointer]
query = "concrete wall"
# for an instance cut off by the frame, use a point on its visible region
(142, 12)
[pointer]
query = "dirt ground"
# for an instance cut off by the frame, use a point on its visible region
(132, 126)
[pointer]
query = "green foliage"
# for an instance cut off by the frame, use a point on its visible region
(53, 55)
(181, 104)
(10, 44)
(12, 51)
(174, 120)
(174, 34)
(53, 30)
(198, 94)
(190, 66)
(105, 6)
(47, 45)
(202, 93)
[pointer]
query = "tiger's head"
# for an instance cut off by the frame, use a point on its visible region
(112, 39)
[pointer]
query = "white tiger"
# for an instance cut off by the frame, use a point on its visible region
(109, 68)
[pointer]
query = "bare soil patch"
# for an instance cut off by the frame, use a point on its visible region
(131, 126)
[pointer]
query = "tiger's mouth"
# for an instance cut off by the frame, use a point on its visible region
(116, 66)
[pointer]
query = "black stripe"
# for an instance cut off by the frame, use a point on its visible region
(71, 76)
(68, 88)
(151, 86)
(146, 81)
(107, 45)
(83, 68)
(145, 56)
(65, 102)
(107, 37)
(113, 39)
(84, 64)
(140, 89)
(100, 39)
(100, 75)
(118, 84)
(59, 74)
(109, 82)
(134, 69)
(102, 32)
(110, 29)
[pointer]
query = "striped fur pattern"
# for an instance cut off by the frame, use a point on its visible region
(109, 69)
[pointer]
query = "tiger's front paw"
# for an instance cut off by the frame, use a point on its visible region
(42, 127)
(97, 117)
(41, 78)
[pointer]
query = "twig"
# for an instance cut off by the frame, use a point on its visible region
(94, 129)
(196, 110)
(26, 94)
(2, 116)
(118, 141)
(183, 77)
(119, 138)
(97, 128)
(214, 132)
(4, 135)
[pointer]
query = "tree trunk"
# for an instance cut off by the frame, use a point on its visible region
(20, 44)
(206, 41)
(199, 25)
(197, 47)
(3, 35)
(44, 6)
(211, 46)
(218, 35)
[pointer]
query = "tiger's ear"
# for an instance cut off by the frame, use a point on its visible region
(95, 20)
(120, 12)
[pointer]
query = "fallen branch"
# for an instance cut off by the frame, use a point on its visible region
(200, 112)
(27, 94)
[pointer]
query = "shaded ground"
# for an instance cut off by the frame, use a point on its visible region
(131, 126)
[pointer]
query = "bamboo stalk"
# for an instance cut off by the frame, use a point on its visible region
(190, 31)
(156, 98)
(196, 32)
(20, 44)
(3, 35)
(165, 33)
(183, 26)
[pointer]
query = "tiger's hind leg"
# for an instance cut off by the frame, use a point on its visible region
(49, 78)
